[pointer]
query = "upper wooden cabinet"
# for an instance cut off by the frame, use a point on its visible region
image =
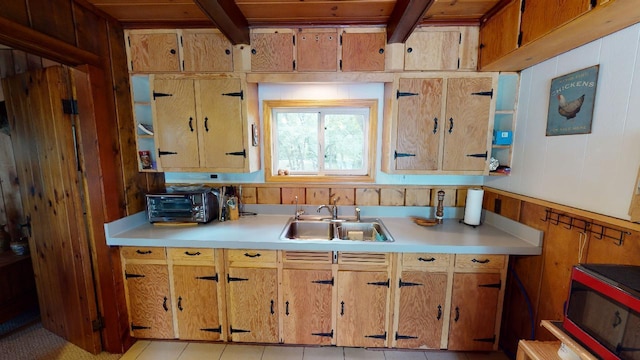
(317, 49)
(541, 17)
(441, 48)
(272, 50)
(423, 136)
(499, 34)
(363, 51)
(206, 51)
(205, 124)
(153, 51)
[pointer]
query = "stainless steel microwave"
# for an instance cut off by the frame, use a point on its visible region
(194, 206)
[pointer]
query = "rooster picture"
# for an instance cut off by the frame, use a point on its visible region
(569, 109)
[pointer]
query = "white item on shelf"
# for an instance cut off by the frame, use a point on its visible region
(147, 129)
(566, 353)
(473, 206)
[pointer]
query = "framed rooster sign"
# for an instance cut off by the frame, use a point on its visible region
(571, 100)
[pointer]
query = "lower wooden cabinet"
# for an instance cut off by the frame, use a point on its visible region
(196, 297)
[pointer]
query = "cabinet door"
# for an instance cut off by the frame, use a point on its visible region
(474, 303)
(499, 35)
(363, 51)
(154, 52)
(432, 50)
(362, 308)
(196, 297)
(307, 298)
(206, 51)
(222, 132)
(540, 17)
(176, 123)
(317, 50)
(253, 312)
(467, 124)
(149, 301)
(421, 309)
(272, 52)
(418, 124)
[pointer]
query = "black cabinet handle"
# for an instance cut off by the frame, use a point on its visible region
(286, 311)
(252, 255)
(206, 127)
(272, 310)
(450, 125)
(485, 261)
(180, 303)
(431, 259)
(147, 252)
(439, 312)
(164, 304)
(192, 254)
(457, 314)
(191, 124)
(618, 319)
(435, 125)
(341, 308)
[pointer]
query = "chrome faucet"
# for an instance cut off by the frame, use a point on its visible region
(358, 214)
(333, 209)
(298, 211)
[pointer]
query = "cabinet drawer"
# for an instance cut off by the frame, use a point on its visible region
(147, 253)
(425, 260)
(190, 254)
(480, 261)
(251, 256)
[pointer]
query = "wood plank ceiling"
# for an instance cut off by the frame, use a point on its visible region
(235, 17)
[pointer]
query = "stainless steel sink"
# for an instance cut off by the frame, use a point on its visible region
(367, 229)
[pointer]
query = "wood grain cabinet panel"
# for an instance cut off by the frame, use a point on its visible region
(541, 17)
(252, 304)
(153, 51)
(272, 51)
(499, 34)
(196, 301)
(307, 296)
(206, 51)
(432, 50)
(363, 51)
(317, 50)
(362, 308)
(421, 309)
(149, 301)
(474, 306)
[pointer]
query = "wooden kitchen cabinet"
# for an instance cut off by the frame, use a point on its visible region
(476, 302)
(196, 282)
(499, 34)
(206, 50)
(252, 295)
(272, 50)
(422, 136)
(147, 289)
(541, 17)
(205, 123)
(317, 49)
(363, 51)
(445, 48)
(153, 50)
(421, 306)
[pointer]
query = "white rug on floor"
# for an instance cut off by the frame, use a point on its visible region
(36, 343)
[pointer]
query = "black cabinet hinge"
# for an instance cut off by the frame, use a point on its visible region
(230, 279)
(242, 153)
(484, 93)
(98, 323)
(404, 283)
(326, 282)
(381, 336)
(396, 154)
(340, 64)
(70, 106)
(329, 334)
(480, 155)
(139, 327)
(404, 337)
(522, 6)
(497, 285)
(294, 40)
(489, 340)
(215, 330)
(519, 38)
(379, 283)
(233, 331)
(401, 93)
(239, 94)
(594, 3)
(162, 152)
(157, 95)
(294, 64)
(212, 278)
(129, 276)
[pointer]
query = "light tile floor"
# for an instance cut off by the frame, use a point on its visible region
(175, 350)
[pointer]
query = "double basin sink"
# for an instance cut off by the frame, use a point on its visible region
(328, 229)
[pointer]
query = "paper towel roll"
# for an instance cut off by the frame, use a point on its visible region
(473, 206)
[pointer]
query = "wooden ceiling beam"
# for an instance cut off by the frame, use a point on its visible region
(405, 17)
(228, 18)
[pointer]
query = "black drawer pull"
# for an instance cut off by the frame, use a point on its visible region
(252, 255)
(485, 261)
(146, 252)
(432, 259)
(192, 254)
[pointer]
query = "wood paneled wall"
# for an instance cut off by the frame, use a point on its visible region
(545, 278)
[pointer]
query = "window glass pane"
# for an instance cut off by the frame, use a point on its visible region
(297, 137)
(345, 136)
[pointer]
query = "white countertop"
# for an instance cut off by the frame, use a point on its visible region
(496, 235)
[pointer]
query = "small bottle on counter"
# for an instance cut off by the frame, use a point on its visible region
(440, 208)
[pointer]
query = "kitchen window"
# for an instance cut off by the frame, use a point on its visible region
(320, 141)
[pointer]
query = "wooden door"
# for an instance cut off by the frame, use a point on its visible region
(317, 50)
(432, 50)
(474, 304)
(253, 312)
(153, 51)
(499, 34)
(541, 17)
(45, 154)
(176, 125)
(362, 308)
(363, 51)
(149, 301)
(421, 309)
(307, 298)
(466, 124)
(221, 124)
(196, 299)
(272, 51)
(206, 51)
(419, 124)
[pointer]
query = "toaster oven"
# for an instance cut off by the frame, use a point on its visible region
(603, 310)
(193, 206)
